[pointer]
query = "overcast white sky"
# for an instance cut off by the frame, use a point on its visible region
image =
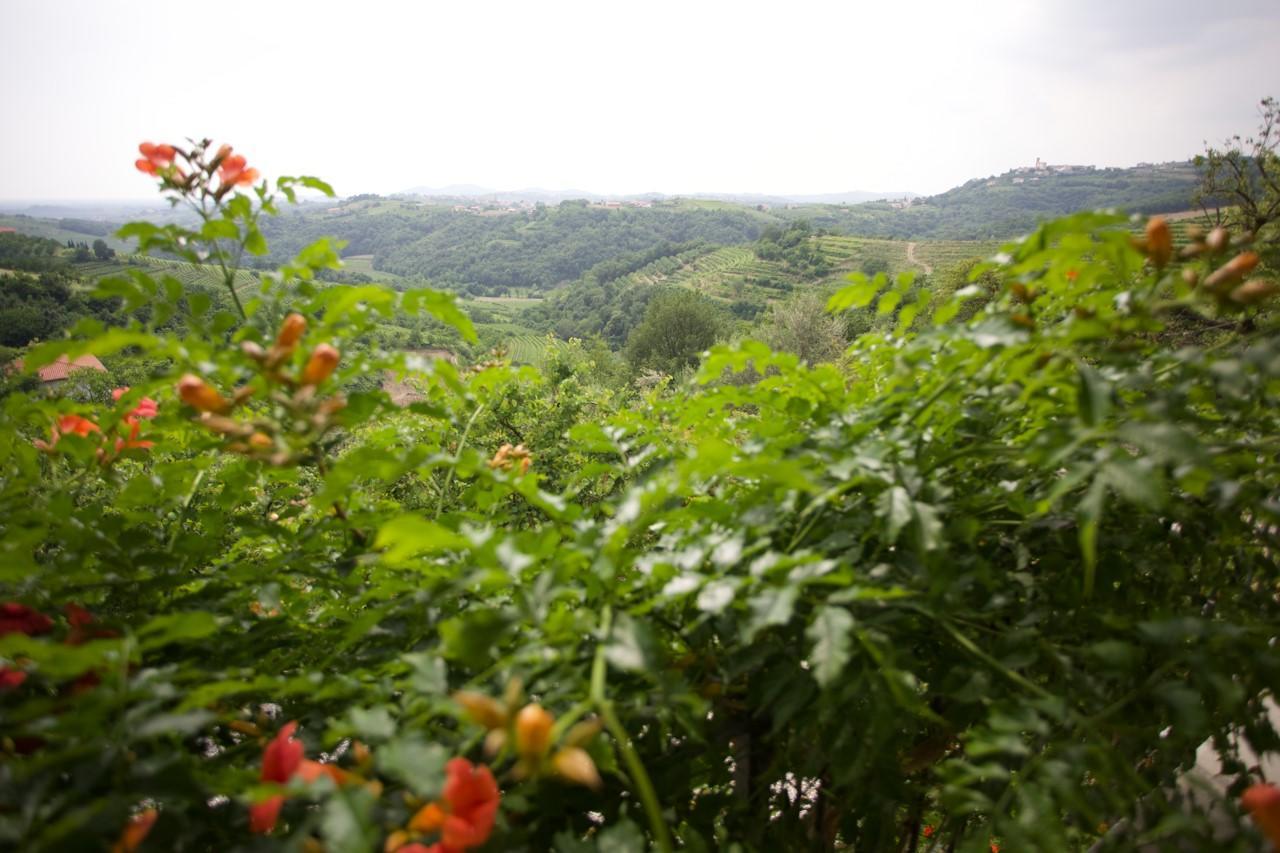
(686, 96)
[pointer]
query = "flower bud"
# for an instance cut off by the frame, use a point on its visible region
(1252, 292)
(1159, 241)
(254, 351)
(1232, 271)
(574, 765)
(261, 441)
(1218, 240)
(291, 331)
(582, 733)
(533, 730)
(320, 366)
(198, 394)
(1191, 277)
(223, 425)
(494, 741)
(482, 709)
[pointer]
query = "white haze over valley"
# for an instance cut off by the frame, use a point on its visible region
(801, 98)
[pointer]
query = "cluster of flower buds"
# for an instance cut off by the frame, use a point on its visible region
(197, 175)
(511, 458)
(529, 734)
(295, 391)
(1228, 282)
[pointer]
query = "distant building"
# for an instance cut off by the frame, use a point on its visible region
(61, 369)
(8, 230)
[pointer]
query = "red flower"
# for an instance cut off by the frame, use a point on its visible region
(68, 424)
(263, 815)
(282, 760)
(466, 812)
(133, 442)
(19, 619)
(1262, 802)
(154, 157)
(233, 171)
(11, 679)
(282, 757)
(146, 408)
(928, 831)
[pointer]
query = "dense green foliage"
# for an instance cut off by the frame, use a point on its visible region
(677, 328)
(1002, 578)
(496, 254)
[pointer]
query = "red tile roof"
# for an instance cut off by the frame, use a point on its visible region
(63, 367)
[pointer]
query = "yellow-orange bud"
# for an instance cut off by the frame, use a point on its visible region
(291, 331)
(1159, 241)
(198, 394)
(533, 730)
(494, 741)
(260, 441)
(428, 819)
(1232, 271)
(1218, 240)
(395, 841)
(135, 831)
(1254, 291)
(484, 710)
(574, 765)
(324, 359)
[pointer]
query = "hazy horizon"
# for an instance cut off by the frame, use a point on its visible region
(682, 100)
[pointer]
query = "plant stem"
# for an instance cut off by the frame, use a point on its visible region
(635, 767)
(448, 480)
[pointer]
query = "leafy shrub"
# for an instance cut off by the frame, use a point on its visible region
(995, 586)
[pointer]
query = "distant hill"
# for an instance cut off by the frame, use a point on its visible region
(472, 192)
(1007, 205)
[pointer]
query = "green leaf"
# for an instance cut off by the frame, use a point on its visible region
(408, 536)
(857, 295)
(894, 507)
(771, 606)
(175, 628)
(182, 724)
(829, 633)
(630, 645)
(416, 763)
(1089, 515)
(888, 302)
(621, 837)
(717, 595)
(374, 724)
(1094, 397)
(346, 821)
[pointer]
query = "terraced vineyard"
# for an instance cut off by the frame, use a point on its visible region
(941, 254)
(194, 275)
(523, 345)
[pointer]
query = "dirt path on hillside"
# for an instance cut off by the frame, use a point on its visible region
(911, 259)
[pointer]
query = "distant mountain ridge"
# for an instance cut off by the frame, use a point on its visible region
(473, 192)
